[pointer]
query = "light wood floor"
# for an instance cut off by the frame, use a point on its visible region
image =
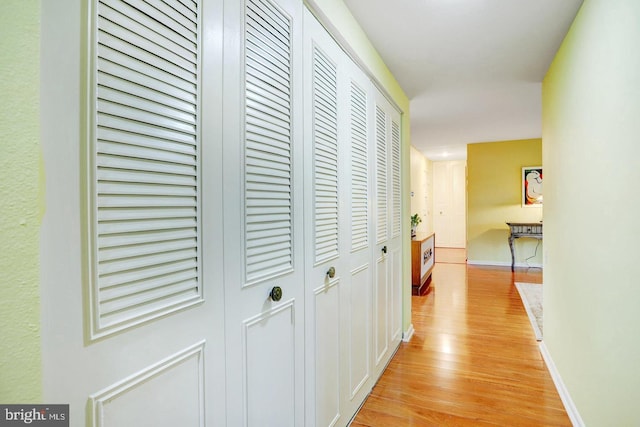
(451, 255)
(473, 360)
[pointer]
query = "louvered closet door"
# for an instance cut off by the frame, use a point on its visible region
(263, 245)
(387, 293)
(357, 227)
(133, 317)
(323, 182)
(337, 231)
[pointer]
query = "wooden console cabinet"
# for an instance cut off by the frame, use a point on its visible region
(422, 261)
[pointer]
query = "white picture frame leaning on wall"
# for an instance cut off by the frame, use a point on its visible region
(531, 184)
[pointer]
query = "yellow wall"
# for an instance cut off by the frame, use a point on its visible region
(336, 15)
(421, 190)
(494, 198)
(591, 131)
(20, 206)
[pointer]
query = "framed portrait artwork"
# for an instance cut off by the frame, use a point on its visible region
(531, 186)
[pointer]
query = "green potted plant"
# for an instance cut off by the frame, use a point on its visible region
(415, 220)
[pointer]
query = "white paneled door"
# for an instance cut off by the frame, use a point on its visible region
(356, 310)
(132, 313)
(338, 268)
(325, 268)
(449, 203)
(347, 182)
(263, 217)
(387, 251)
(221, 244)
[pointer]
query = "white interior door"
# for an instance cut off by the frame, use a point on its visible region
(449, 200)
(387, 293)
(357, 228)
(263, 217)
(131, 291)
(338, 103)
(324, 179)
(186, 285)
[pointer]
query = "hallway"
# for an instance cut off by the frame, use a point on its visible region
(472, 361)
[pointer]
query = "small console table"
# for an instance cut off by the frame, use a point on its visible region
(523, 229)
(422, 259)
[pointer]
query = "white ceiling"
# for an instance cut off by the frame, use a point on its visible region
(472, 69)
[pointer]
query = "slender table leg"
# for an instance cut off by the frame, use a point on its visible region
(512, 254)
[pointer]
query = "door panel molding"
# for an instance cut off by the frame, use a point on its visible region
(327, 342)
(124, 401)
(269, 343)
(359, 332)
(381, 316)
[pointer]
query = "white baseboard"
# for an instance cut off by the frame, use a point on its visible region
(503, 264)
(406, 335)
(569, 406)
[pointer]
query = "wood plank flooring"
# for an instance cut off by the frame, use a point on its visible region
(451, 255)
(473, 360)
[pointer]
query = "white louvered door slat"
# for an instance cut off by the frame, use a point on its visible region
(395, 180)
(268, 198)
(130, 17)
(145, 164)
(114, 65)
(325, 152)
(359, 169)
(381, 175)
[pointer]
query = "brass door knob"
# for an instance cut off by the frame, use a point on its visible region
(276, 293)
(331, 273)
